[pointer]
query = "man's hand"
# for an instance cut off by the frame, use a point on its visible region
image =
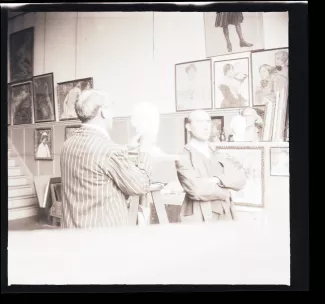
(134, 144)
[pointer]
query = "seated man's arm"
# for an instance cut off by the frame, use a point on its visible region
(231, 178)
(131, 178)
(198, 188)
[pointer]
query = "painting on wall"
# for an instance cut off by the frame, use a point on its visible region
(231, 83)
(44, 143)
(270, 86)
(233, 32)
(20, 100)
(251, 161)
(217, 130)
(279, 157)
(193, 85)
(43, 89)
(68, 94)
(69, 130)
(21, 55)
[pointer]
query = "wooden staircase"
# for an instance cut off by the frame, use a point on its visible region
(22, 199)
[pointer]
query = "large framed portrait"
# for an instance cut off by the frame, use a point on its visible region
(251, 161)
(233, 32)
(20, 100)
(280, 159)
(44, 106)
(270, 71)
(217, 129)
(69, 130)
(193, 85)
(68, 94)
(43, 143)
(232, 83)
(22, 55)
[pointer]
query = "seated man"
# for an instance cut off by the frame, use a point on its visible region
(205, 176)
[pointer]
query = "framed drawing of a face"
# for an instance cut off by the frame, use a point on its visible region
(279, 161)
(69, 130)
(233, 32)
(231, 83)
(68, 94)
(44, 143)
(20, 100)
(193, 85)
(43, 89)
(251, 161)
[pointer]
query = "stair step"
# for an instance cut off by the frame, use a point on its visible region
(14, 171)
(16, 191)
(22, 202)
(17, 181)
(24, 212)
(11, 162)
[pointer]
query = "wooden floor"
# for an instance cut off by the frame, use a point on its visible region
(31, 223)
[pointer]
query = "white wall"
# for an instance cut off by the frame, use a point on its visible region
(131, 55)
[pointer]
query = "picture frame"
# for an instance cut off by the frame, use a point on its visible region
(217, 128)
(20, 101)
(279, 161)
(21, 55)
(251, 160)
(232, 77)
(67, 95)
(43, 143)
(69, 130)
(193, 85)
(43, 96)
(233, 32)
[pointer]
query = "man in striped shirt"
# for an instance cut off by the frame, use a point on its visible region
(97, 174)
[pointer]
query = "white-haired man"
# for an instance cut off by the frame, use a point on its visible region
(97, 175)
(205, 176)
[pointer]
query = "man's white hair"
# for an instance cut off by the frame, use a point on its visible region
(89, 102)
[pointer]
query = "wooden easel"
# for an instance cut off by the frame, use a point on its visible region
(157, 202)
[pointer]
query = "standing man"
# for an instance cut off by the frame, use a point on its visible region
(97, 175)
(205, 176)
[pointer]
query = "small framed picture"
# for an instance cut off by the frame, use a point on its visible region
(231, 83)
(279, 158)
(69, 130)
(68, 94)
(44, 143)
(20, 101)
(43, 89)
(193, 85)
(217, 129)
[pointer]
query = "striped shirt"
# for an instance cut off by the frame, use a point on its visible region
(97, 180)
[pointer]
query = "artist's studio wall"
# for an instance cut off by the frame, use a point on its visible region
(132, 56)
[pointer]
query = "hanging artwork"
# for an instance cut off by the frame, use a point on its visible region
(193, 85)
(231, 83)
(279, 161)
(68, 94)
(21, 55)
(233, 32)
(44, 143)
(43, 88)
(20, 99)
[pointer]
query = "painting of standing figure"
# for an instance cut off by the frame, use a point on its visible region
(233, 32)
(21, 55)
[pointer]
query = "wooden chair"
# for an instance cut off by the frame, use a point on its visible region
(56, 208)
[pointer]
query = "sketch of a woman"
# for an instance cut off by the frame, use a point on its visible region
(231, 88)
(224, 19)
(44, 106)
(70, 101)
(265, 91)
(43, 150)
(22, 107)
(23, 65)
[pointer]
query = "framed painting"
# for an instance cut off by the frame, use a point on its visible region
(232, 83)
(251, 161)
(69, 130)
(44, 143)
(217, 129)
(279, 158)
(68, 94)
(20, 101)
(21, 55)
(193, 85)
(233, 32)
(43, 90)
